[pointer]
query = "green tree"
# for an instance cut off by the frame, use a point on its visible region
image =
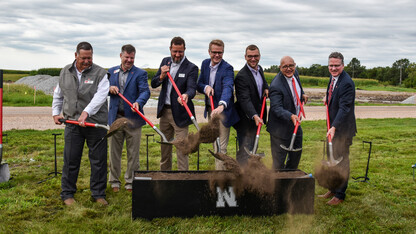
(399, 68)
(354, 68)
(410, 82)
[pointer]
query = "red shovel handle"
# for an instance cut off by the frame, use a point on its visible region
(180, 95)
(211, 99)
(135, 109)
(261, 115)
(327, 122)
(76, 122)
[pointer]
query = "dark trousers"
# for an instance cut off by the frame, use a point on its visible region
(280, 155)
(75, 138)
(341, 148)
(245, 137)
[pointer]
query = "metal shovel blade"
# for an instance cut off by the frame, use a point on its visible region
(4, 173)
(290, 148)
(253, 154)
(331, 161)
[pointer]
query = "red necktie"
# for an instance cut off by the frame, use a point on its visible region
(331, 87)
(296, 92)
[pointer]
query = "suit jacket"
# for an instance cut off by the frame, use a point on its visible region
(341, 107)
(248, 98)
(282, 106)
(185, 79)
(223, 90)
(136, 89)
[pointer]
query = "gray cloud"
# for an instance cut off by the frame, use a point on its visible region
(376, 32)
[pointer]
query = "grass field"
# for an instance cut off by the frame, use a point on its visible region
(385, 204)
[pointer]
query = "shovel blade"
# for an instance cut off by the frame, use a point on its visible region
(253, 154)
(332, 162)
(290, 149)
(4, 173)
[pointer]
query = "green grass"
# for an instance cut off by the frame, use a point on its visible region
(23, 95)
(13, 77)
(385, 204)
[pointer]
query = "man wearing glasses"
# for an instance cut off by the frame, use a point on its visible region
(217, 80)
(286, 97)
(174, 119)
(250, 88)
(340, 97)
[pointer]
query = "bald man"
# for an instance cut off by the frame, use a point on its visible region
(285, 94)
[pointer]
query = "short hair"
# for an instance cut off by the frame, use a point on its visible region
(252, 47)
(84, 46)
(177, 41)
(128, 49)
(337, 55)
(216, 42)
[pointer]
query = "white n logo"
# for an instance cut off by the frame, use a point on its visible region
(223, 197)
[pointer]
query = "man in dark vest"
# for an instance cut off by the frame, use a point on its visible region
(81, 95)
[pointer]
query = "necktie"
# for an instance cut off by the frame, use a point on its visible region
(297, 103)
(331, 87)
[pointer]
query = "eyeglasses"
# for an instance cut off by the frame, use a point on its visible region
(216, 52)
(335, 66)
(285, 67)
(253, 56)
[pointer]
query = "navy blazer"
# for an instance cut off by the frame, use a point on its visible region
(136, 89)
(341, 107)
(248, 101)
(223, 90)
(185, 79)
(282, 106)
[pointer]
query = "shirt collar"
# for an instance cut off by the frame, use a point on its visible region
(252, 69)
(215, 66)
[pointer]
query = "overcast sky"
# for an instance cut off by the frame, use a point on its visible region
(44, 33)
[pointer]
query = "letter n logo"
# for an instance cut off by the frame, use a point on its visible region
(226, 197)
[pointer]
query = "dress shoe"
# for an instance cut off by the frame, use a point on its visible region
(116, 189)
(102, 201)
(334, 201)
(328, 194)
(129, 190)
(69, 201)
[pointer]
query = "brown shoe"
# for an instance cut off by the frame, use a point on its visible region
(102, 201)
(328, 194)
(69, 201)
(116, 189)
(130, 190)
(334, 201)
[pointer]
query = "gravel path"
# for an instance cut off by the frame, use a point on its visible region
(40, 118)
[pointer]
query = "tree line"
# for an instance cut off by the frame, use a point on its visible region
(402, 72)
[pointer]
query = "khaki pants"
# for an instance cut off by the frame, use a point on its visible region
(224, 138)
(169, 128)
(132, 137)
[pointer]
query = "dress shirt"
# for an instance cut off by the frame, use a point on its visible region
(258, 78)
(295, 101)
(174, 67)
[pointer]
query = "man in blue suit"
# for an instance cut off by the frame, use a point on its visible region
(340, 98)
(285, 91)
(131, 82)
(174, 119)
(217, 80)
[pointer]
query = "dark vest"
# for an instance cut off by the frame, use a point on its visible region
(77, 95)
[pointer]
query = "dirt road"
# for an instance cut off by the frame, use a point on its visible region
(40, 118)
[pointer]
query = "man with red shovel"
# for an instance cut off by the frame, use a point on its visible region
(286, 98)
(81, 95)
(174, 118)
(131, 82)
(340, 97)
(216, 81)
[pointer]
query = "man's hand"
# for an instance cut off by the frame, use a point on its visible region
(56, 119)
(135, 106)
(258, 120)
(266, 93)
(114, 90)
(331, 132)
(164, 69)
(218, 110)
(294, 119)
(82, 118)
(305, 98)
(324, 99)
(185, 99)
(209, 91)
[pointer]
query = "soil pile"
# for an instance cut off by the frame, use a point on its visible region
(330, 177)
(118, 124)
(207, 134)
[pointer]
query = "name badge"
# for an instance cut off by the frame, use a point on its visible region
(181, 75)
(116, 71)
(88, 82)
